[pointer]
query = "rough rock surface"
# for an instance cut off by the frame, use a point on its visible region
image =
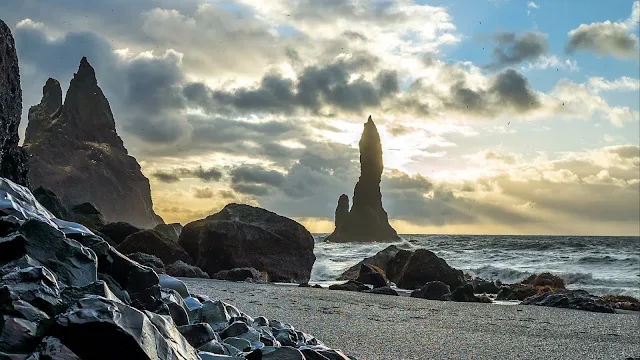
(182, 269)
(13, 159)
(380, 259)
(424, 266)
(148, 260)
(570, 299)
(367, 221)
(50, 201)
(88, 215)
(246, 236)
(154, 243)
(75, 152)
(170, 231)
(240, 274)
(372, 275)
(350, 285)
(433, 290)
(118, 231)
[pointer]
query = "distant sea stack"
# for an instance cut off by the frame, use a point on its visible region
(366, 221)
(75, 152)
(13, 159)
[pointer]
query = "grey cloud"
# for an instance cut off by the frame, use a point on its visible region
(255, 174)
(604, 39)
(251, 189)
(203, 193)
(354, 35)
(512, 49)
(166, 177)
(201, 173)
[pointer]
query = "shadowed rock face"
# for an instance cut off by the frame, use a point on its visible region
(367, 221)
(13, 160)
(76, 153)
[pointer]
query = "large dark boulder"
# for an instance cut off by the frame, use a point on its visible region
(51, 202)
(50, 348)
(182, 269)
(13, 159)
(118, 231)
(516, 292)
(372, 275)
(88, 215)
(154, 243)
(424, 266)
(545, 280)
(570, 299)
(380, 259)
(367, 221)
(76, 152)
(35, 285)
(246, 236)
(170, 231)
(433, 290)
(148, 260)
(131, 333)
(350, 285)
(239, 274)
(73, 264)
(465, 293)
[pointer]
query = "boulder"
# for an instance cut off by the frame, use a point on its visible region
(169, 282)
(516, 292)
(76, 152)
(544, 279)
(464, 293)
(35, 285)
(13, 159)
(18, 335)
(154, 243)
(424, 266)
(51, 202)
(433, 290)
(71, 294)
(50, 348)
(170, 231)
(372, 275)
(148, 260)
(198, 334)
(570, 299)
(622, 302)
(175, 304)
(481, 286)
(240, 274)
(182, 269)
(282, 353)
(246, 236)
(380, 259)
(137, 335)
(367, 221)
(118, 231)
(350, 285)
(72, 263)
(385, 290)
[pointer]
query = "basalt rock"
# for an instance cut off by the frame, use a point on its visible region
(13, 159)
(350, 285)
(88, 215)
(51, 202)
(433, 290)
(570, 299)
(118, 231)
(372, 275)
(154, 243)
(148, 260)
(245, 236)
(367, 221)
(170, 231)
(380, 259)
(182, 269)
(424, 266)
(240, 274)
(76, 153)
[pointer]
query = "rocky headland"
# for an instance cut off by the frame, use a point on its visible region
(75, 152)
(366, 221)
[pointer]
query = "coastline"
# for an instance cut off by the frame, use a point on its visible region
(382, 327)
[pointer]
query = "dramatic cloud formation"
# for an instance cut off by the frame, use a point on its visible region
(263, 103)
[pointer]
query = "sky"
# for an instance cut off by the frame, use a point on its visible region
(496, 116)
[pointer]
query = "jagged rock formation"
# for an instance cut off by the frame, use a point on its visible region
(13, 159)
(76, 153)
(366, 221)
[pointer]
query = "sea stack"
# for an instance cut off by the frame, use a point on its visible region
(75, 152)
(367, 221)
(13, 159)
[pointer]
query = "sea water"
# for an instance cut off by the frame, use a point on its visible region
(600, 265)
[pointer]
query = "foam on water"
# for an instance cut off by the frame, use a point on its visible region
(600, 265)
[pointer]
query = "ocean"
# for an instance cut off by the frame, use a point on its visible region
(600, 265)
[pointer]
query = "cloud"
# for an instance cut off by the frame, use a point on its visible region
(207, 192)
(512, 49)
(625, 83)
(166, 177)
(616, 39)
(532, 5)
(206, 175)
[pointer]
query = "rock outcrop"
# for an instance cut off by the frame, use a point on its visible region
(153, 243)
(13, 159)
(76, 153)
(367, 221)
(245, 236)
(408, 269)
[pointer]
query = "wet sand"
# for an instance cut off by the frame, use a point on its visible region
(384, 327)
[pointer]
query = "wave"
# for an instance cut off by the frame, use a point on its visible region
(608, 260)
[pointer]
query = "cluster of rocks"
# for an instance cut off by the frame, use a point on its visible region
(65, 293)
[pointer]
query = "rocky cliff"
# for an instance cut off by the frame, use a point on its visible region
(75, 151)
(367, 220)
(13, 164)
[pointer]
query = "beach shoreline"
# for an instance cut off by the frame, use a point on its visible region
(381, 327)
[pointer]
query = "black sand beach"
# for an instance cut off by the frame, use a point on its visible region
(393, 328)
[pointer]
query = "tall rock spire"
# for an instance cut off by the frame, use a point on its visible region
(76, 152)
(367, 220)
(13, 164)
